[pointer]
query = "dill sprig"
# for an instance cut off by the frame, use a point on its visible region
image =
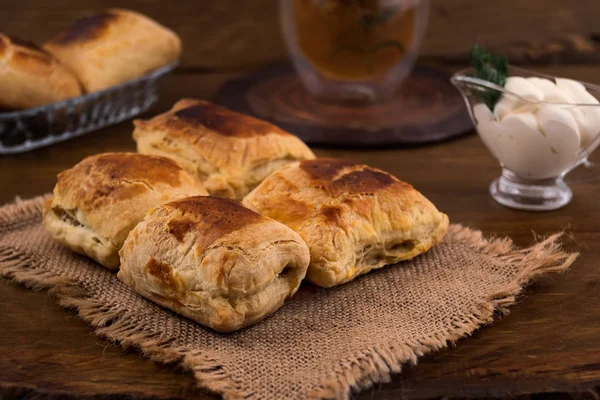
(491, 68)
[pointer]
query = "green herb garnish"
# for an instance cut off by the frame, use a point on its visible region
(490, 68)
(368, 23)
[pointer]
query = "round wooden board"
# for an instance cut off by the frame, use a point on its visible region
(426, 109)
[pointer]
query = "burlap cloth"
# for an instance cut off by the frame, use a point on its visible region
(324, 343)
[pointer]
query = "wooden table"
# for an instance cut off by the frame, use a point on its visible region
(549, 343)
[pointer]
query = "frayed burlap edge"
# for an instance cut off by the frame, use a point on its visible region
(364, 369)
(117, 326)
(113, 324)
(376, 364)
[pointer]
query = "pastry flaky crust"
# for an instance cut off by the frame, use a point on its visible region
(214, 261)
(30, 77)
(230, 153)
(354, 218)
(98, 201)
(113, 47)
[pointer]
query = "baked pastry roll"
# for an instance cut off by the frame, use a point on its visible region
(230, 153)
(30, 77)
(113, 47)
(98, 201)
(353, 218)
(214, 261)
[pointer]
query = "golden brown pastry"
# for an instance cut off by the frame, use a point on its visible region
(114, 47)
(230, 153)
(30, 77)
(354, 218)
(98, 201)
(214, 261)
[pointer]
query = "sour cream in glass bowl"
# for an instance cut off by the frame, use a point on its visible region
(540, 128)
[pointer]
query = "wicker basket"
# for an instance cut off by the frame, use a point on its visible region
(24, 130)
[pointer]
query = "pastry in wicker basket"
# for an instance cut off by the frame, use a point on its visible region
(113, 47)
(31, 77)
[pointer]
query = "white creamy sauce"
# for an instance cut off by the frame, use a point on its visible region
(539, 140)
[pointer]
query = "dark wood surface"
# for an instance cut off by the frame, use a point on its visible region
(234, 34)
(549, 343)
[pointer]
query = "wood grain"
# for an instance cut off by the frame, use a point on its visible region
(230, 34)
(548, 343)
(456, 24)
(427, 108)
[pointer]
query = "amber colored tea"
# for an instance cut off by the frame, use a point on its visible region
(353, 39)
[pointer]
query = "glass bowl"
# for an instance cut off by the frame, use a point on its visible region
(537, 142)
